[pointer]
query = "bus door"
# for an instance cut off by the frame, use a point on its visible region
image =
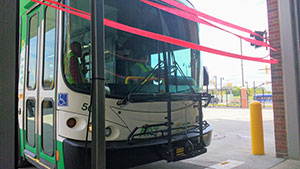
(39, 115)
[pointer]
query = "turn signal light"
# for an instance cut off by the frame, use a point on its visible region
(90, 127)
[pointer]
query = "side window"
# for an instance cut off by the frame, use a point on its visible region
(30, 120)
(77, 46)
(48, 127)
(49, 49)
(32, 51)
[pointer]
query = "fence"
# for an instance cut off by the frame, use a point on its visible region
(227, 99)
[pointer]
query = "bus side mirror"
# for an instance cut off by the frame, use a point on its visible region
(205, 76)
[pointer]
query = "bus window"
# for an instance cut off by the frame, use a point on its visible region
(128, 57)
(32, 55)
(49, 49)
(76, 61)
(47, 127)
(30, 120)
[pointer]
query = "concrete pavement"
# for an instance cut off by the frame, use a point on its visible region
(288, 164)
(231, 143)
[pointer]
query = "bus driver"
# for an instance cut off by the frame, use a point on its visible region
(73, 70)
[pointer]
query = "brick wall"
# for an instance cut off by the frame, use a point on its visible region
(277, 81)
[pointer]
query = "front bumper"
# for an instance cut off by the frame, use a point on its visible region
(120, 154)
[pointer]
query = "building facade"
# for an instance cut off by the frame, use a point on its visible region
(284, 18)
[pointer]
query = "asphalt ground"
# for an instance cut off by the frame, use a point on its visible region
(231, 143)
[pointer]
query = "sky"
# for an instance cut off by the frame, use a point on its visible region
(250, 14)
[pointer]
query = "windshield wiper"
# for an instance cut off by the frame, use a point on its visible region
(166, 31)
(177, 67)
(184, 77)
(141, 83)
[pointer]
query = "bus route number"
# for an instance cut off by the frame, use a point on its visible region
(85, 107)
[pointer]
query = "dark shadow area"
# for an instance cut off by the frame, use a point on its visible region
(8, 83)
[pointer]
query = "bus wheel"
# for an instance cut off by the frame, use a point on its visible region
(22, 162)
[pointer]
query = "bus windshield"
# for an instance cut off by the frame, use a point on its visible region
(129, 58)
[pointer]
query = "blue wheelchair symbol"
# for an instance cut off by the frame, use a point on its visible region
(62, 99)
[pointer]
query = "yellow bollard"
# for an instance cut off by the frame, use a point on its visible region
(257, 134)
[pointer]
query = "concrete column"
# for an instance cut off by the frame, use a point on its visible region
(8, 82)
(290, 77)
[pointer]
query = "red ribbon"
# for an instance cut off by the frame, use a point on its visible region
(114, 74)
(194, 18)
(208, 17)
(160, 37)
(126, 58)
(66, 6)
(88, 17)
(179, 42)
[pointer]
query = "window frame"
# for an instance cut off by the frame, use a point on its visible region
(44, 44)
(42, 128)
(28, 50)
(63, 40)
(34, 122)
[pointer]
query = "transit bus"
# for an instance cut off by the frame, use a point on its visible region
(55, 82)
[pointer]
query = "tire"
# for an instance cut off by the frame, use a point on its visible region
(21, 161)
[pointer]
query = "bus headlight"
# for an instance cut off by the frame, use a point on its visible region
(90, 127)
(108, 131)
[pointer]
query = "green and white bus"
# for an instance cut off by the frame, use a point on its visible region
(55, 84)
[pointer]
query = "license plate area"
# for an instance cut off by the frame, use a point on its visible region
(179, 151)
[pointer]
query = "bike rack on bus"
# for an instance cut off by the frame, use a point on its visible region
(167, 133)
